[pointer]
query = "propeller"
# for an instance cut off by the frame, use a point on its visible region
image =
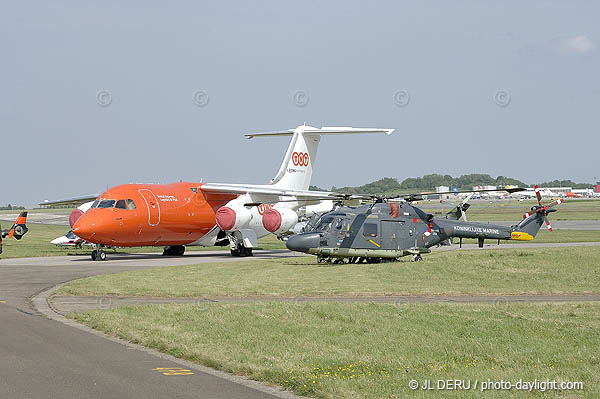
(543, 209)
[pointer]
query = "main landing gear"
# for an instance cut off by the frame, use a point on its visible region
(174, 250)
(241, 251)
(98, 253)
(417, 258)
(237, 247)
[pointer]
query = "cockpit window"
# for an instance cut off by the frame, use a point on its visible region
(324, 224)
(95, 204)
(70, 235)
(121, 204)
(130, 204)
(370, 230)
(106, 204)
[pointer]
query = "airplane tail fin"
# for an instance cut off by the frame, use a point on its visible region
(296, 169)
(19, 228)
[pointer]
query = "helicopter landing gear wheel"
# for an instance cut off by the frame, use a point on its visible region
(417, 258)
(338, 261)
(102, 255)
(94, 254)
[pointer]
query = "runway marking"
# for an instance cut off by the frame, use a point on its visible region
(2, 301)
(173, 371)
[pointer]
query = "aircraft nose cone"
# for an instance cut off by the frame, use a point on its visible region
(303, 242)
(84, 228)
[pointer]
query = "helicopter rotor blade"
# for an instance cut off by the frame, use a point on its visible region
(538, 195)
(547, 223)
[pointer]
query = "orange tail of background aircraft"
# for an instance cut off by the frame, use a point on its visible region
(17, 231)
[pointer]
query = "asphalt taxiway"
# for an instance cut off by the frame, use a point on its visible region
(44, 358)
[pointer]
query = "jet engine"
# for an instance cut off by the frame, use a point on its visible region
(231, 219)
(279, 221)
(74, 216)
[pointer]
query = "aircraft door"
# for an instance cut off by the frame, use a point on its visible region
(152, 205)
(392, 234)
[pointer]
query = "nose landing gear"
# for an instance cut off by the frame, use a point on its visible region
(98, 253)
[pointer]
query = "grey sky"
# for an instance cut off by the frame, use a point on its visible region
(250, 58)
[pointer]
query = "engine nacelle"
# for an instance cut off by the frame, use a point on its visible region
(74, 216)
(77, 213)
(231, 219)
(279, 220)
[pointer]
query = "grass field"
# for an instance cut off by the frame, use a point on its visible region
(494, 272)
(344, 350)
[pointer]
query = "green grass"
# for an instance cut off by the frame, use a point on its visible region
(349, 350)
(37, 243)
(494, 272)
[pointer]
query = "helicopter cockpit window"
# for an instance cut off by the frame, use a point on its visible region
(130, 204)
(70, 235)
(324, 224)
(95, 204)
(121, 204)
(370, 230)
(338, 224)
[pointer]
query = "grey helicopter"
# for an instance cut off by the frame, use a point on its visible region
(392, 227)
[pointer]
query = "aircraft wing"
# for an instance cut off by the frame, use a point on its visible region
(75, 201)
(269, 194)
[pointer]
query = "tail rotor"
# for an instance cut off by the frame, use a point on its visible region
(544, 210)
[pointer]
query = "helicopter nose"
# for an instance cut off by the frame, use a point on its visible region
(303, 242)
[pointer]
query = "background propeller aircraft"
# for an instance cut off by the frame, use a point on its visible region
(385, 231)
(206, 214)
(17, 231)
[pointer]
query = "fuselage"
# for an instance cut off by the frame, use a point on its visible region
(151, 215)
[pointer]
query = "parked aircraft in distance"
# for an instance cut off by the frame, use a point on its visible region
(190, 213)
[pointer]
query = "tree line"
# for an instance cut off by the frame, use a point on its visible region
(389, 185)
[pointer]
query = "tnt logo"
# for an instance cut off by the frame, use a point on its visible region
(300, 159)
(262, 208)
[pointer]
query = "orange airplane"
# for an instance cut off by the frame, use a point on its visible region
(183, 214)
